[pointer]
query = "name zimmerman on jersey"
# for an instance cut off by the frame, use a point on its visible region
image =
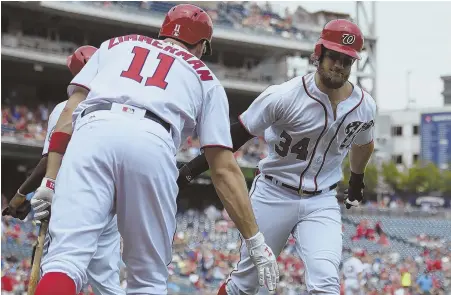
(200, 68)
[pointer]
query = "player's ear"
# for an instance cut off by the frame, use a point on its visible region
(204, 47)
(200, 49)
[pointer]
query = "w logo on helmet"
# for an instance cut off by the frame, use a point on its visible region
(348, 39)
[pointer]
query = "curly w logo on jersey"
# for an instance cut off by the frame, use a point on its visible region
(352, 129)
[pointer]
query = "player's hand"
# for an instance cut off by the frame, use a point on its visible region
(184, 177)
(354, 194)
(18, 207)
(42, 199)
(265, 261)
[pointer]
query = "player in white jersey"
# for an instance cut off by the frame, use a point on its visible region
(134, 102)
(310, 123)
(353, 272)
(103, 270)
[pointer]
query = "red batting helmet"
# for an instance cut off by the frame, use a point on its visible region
(188, 23)
(76, 61)
(342, 36)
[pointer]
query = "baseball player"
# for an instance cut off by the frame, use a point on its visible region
(310, 124)
(353, 275)
(132, 105)
(103, 270)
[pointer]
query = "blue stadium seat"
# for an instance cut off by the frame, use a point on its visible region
(161, 6)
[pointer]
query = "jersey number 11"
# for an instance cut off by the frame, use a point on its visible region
(137, 64)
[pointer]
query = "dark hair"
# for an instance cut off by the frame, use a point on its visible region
(316, 61)
(187, 45)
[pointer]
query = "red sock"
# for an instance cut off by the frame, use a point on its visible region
(222, 290)
(55, 283)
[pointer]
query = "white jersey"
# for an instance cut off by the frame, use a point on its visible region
(307, 144)
(352, 268)
(160, 77)
(51, 124)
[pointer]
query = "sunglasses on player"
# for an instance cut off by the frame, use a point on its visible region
(346, 60)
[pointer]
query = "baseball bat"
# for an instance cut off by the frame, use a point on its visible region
(35, 268)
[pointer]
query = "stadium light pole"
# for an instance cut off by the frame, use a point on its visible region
(410, 100)
(367, 66)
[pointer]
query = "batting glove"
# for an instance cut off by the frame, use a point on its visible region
(265, 261)
(354, 194)
(42, 199)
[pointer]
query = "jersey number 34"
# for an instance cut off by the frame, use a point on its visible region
(159, 76)
(300, 148)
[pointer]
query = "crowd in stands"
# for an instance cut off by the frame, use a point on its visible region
(206, 245)
(300, 24)
(24, 123)
(206, 249)
(390, 274)
(365, 231)
(235, 15)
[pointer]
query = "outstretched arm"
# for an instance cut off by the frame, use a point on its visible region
(33, 181)
(228, 180)
(264, 111)
(232, 189)
(199, 165)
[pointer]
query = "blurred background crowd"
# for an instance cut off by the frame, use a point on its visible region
(259, 17)
(399, 255)
(22, 122)
(404, 246)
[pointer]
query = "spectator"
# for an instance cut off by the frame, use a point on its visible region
(8, 283)
(424, 282)
(406, 278)
(360, 230)
(378, 228)
(383, 240)
(21, 122)
(206, 250)
(352, 272)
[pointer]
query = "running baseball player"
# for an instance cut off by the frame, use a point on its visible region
(103, 270)
(310, 124)
(132, 105)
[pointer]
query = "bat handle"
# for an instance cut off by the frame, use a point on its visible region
(35, 269)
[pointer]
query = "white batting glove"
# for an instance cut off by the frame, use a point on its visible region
(265, 261)
(42, 198)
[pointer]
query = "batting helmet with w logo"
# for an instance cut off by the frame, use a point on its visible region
(342, 36)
